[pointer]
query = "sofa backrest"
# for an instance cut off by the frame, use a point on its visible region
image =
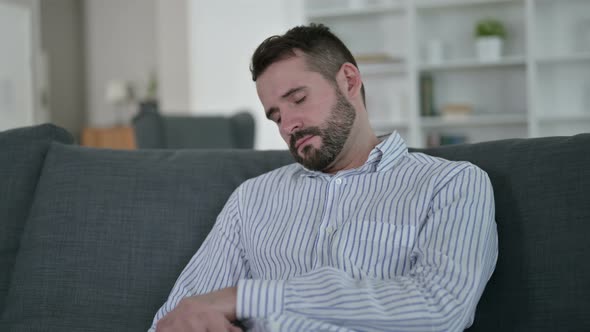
(109, 232)
(542, 194)
(154, 130)
(22, 152)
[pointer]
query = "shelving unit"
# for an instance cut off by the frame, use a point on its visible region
(539, 87)
(580, 57)
(475, 64)
(561, 43)
(474, 121)
(343, 12)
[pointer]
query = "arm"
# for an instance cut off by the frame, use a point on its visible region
(217, 264)
(455, 254)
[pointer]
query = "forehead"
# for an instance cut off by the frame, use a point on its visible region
(284, 75)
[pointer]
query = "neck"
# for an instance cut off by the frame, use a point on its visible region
(355, 152)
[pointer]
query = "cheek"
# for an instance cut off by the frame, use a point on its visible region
(284, 135)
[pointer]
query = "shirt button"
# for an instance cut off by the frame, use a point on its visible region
(338, 181)
(329, 230)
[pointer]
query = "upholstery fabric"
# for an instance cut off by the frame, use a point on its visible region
(242, 128)
(22, 152)
(541, 189)
(188, 132)
(110, 231)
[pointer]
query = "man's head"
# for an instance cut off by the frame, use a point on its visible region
(324, 52)
(309, 84)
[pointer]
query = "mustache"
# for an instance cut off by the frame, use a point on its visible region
(313, 131)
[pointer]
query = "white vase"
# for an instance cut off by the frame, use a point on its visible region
(489, 49)
(434, 52)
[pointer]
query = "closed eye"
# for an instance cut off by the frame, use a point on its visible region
(299, 101)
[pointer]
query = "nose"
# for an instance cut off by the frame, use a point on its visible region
(290, 123)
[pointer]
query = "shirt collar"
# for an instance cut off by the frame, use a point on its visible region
(382, 158)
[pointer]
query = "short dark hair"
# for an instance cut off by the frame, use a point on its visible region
(324, 52)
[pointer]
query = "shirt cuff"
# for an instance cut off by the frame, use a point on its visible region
(259, 298)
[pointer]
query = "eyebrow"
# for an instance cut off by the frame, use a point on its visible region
(287, 94)
(292, 91)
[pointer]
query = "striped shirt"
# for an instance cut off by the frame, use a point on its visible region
(407, 242)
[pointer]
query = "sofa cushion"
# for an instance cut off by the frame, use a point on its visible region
(22, 152)
(110, 231)
(541, 189)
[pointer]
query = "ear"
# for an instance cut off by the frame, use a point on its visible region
(349, 79)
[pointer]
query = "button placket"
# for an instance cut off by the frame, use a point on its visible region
(327, 227)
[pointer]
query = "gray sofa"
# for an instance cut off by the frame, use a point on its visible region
(154, 130)
(93, 240)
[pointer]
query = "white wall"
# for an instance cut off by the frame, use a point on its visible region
(224, 34)
(173, 55)
(62, 40)
(200, 50)
(20, 94)
(120, 44)
(16, 76)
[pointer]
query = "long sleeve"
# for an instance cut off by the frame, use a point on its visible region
(451, 261)
(218, 263)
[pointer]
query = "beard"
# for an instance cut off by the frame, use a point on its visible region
(333, 136)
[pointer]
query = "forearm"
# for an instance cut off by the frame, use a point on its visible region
(218, 263)
(412, 303)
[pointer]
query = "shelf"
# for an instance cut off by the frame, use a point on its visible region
(439, 4)
(564, 118)
(378, 58)
(544, 70)
(382, 69)
(474, 121)
(567, 58)
(350, 12)
(475, 64)
(388, 125)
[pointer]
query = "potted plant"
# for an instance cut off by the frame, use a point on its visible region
(150, 102)
(490, 34)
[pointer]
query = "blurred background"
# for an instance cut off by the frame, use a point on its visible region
(174, 73)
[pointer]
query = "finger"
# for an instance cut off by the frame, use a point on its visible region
(233, 328)
(216, 323)
(229, 327)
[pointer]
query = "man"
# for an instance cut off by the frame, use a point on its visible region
(358, 235)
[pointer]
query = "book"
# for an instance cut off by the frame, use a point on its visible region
(427, 95)
(436, 139)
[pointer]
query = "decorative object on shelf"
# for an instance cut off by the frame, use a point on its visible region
(119, 137)
(119, 94)
(377, 58)
(457, 110)
(434, 52)
(436, 139)
(152, 88)
(490, 34)
(150, 101)
(427, 95)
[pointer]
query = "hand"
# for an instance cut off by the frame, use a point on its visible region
(208, 312)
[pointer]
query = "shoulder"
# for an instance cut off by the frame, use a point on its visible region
(280, 176)
(444, 170)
